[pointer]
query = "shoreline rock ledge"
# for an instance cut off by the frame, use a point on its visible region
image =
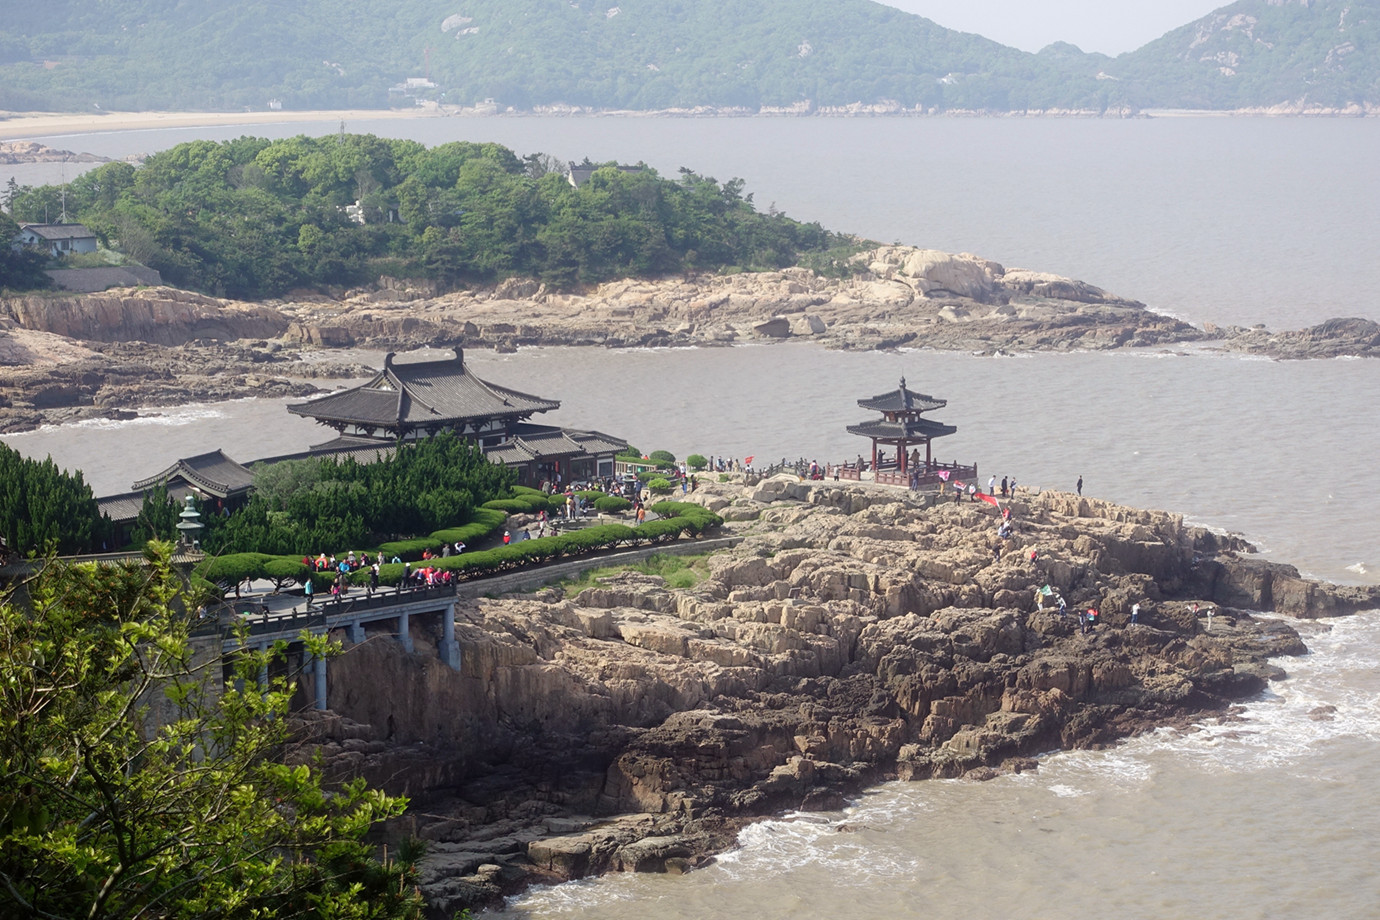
(857, 634)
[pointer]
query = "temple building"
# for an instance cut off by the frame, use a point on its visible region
(423, 398)
(405, 401)
(902, 428)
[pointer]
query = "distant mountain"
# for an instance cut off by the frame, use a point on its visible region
(651, 54)
(1258, 53)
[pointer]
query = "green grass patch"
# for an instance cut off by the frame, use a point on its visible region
(678, 571)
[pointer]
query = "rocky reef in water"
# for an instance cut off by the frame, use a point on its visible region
(162, 346)
(858, 633)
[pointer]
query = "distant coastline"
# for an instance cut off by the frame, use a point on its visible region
(18, 125)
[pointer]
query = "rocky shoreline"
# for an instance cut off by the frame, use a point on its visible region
(69, 357)
(858, 633)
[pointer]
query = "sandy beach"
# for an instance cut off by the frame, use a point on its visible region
(23, 125)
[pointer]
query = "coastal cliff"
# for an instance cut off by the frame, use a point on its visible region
(858, 633)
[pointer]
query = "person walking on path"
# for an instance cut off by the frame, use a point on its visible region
(1135, 612)
(1209, 623)
(1080, 485)
(307, 591)
(992, 485)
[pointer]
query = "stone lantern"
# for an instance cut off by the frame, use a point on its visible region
(190, 525)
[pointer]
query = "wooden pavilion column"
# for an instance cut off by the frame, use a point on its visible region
(929, 462)
(874, 457)
(902, 459)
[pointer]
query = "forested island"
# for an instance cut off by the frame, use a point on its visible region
(254, 218)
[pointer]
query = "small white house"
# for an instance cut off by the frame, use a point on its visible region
(58, 239)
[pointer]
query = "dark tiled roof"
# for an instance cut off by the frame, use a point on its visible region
(596, 442)
(423, 394)
(214, 473)
(123, 507)
(919, 429)
(55, 232)
(535, 442)
(903, 400)
(363, 450)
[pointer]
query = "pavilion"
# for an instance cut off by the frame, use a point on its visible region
(405, 401)
(902, 428)
(423, 398)
(418, 399)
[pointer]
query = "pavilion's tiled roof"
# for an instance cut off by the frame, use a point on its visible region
(903, 400)
(420, 395)
(596, 442)
(213, 473)
(363, 450)
(537, 442)
(918, 429)
(123, 507)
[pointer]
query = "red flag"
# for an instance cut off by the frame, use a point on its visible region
(990, 499)
(944, 475)
(748, 459)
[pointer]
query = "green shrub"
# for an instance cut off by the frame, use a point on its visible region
(697, 461)
(284, 570)
(663, 457)
(611, 504)
(510, 505)
(724, 477)
(659, 486)
(233, 568)
(408, 550)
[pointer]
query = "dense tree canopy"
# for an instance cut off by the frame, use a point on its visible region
(653, 54)
(135, 783)
(44, 508)
(330, 504)
(255, 218)
(22, 269)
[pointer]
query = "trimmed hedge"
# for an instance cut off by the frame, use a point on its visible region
(674, 519)
(677, 518)
(484, 521)
(611, 504)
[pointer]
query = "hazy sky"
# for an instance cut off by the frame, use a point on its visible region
(1109, 26)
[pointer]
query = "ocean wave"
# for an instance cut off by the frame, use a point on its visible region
(167, 418)
(847, 844)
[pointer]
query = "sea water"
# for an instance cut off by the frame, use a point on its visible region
(1223, 220)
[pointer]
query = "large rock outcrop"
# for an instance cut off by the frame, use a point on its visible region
(160, 316)
(857, 633)
(898, 295)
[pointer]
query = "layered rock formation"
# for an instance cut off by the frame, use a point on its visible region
(12, 152)
(1349, 337)
(901, 296)
(858, 633)
(158, 316)
(898, 296)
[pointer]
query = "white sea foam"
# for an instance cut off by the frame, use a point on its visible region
(850, 844)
